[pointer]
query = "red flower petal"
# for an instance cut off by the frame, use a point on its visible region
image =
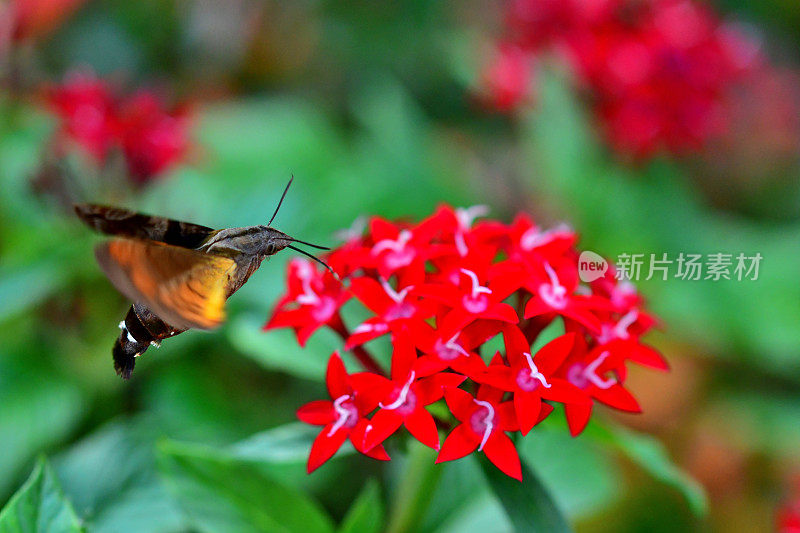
(507, 417)
(528, 406)
(370, 293)
(317, 413)
(502, 453)
(617, 397)
(336, 377)
(460, 402)
(325, 446)
(421, 425)
(428, 365)
(552, 354)
(378, 452)
(490, 394)
(380, 427)
(499, 377)
(431, 389)
(578, 415)
(563, 391)
(459, 443)
(502, 312)
(403, 357)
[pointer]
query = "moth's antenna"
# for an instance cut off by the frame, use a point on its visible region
(317, 259)
(281, 200)
(317, 246)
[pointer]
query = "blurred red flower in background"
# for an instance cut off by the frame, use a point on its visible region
(788, 516)
(440, 290)
(31, 19)
(152, 138)
(86, 108)
(656, 71)
(92, 115)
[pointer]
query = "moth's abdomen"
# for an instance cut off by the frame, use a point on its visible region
(132, 342)
(141, 329)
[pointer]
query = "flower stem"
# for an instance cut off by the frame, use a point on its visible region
(363, 356)
(417, 486)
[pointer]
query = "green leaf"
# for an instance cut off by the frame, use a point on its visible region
(528, 504)
(462, 501)
(24, 287)
(111, 478)
(39, 506)
(581, 478)
(289, 443)
(418, 479)
(278, 349)
(366, 514)
(34, 415)
(220, 492)
(651, 455)
(554, 329)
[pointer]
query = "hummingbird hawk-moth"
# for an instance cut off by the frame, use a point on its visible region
(177, 274)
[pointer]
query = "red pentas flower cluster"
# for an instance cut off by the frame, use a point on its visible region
(440, 290)
(656, 71)
(151, 137)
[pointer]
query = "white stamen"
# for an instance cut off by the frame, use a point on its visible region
(342, 414)
(621, 329)
(461, 244)
(401, 398)
(394, 245)
(453, 345)
(622, 292)
(466, 216)
(306, 272)
(397, 297)
(552, 275)
(590, 372)
(476, 287)
(355, 231)
(309, 297)
(553, 294)
(488, 421)
(533, 238)
(368, 328)
(304, 269)
(535, 371)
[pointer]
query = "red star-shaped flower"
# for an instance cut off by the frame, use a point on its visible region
(313, 300)
(342, 417)
(484, 421)
(470, 300)
(393, 307)
(599, 373)
(403, 399)
(451, 346)
(532, 377)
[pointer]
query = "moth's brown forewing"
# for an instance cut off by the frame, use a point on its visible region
(124, 223)
(185, 288)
